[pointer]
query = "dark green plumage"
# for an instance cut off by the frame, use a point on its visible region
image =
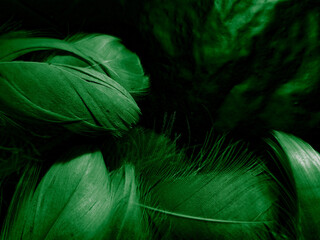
(91, 93)
(247, 67)
(82, 101)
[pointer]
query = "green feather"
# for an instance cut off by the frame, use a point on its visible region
(80, 199)
(13, 46)
(223, 193)
(236, 202)
(101, 52)
(305, 164)
(281, 171)
(22, 195)
(81, 100)
(114, 58)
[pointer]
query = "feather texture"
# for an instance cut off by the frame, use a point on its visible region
(101, 52)
(26, 185)
(13, 46)
(82, 100)
(226, 203)
(80, 199)
(225, 192)
(305, 164)
(281, 172)
(114, 58)
(220, 194)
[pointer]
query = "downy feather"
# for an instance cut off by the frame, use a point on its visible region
(305, 164)
(82, 100)
(227, 202)
(79, 199)
(220, 194)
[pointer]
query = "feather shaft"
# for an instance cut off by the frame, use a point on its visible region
(175, 214)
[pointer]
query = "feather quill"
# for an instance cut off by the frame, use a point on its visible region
(83, 101)
(305, 165)
(80, 199)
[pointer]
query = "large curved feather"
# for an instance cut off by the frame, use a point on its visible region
(82, 101)
(305, 164)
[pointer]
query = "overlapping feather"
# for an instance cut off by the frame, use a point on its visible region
(288, 201)
(14, 46)
(305, 164)
(101, 52)
(113, 58)
(78, 199)
(221, 194)
(90, 97)
(81, 100)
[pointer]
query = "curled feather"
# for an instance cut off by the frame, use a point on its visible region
(83, 101)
